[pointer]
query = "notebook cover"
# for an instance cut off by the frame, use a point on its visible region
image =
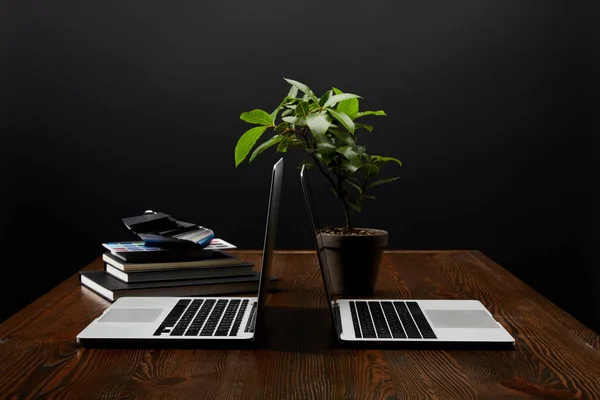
(137, 251)
(185, 273)
(113, 284)
(219, 258)
(196, 287)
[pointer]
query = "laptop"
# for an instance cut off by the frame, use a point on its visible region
(388, 321)
(190, 320)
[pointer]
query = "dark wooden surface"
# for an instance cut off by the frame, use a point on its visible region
(555, 356)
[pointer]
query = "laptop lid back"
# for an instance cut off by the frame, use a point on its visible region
(269, 240)
(317, 240)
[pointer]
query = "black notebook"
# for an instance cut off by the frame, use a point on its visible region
(180, 274)
(111, 288)
(219, 258)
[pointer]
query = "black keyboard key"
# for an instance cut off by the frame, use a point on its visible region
(393, 320)
(200, 318)
(177, 332)
(183, 303)
(187, 317)
(227, 319)
(379, 320)
(173, 316)
(176, 312)
(238, 319)
(407, 322)
(213, 319)
(364, 317)
(421, 321)
(355, 320)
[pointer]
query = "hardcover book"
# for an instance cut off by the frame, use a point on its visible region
(180, 274)
(112, 288)
(219, 258)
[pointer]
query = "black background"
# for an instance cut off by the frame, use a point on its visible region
(114, 107)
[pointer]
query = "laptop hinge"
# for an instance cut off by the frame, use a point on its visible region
(338, 318)
(251, 323)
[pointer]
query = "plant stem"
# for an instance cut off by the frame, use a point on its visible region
(344, 203)
(338, 189)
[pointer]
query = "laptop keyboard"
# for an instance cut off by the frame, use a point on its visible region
(389, 320)
(200, 317)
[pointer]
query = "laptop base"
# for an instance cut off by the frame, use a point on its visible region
(208, 344)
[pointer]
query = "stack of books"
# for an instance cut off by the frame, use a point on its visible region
(134, 269)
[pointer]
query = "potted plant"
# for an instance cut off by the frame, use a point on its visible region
(326, 128)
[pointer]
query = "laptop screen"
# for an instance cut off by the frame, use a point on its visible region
(312, 217)
(270, 233)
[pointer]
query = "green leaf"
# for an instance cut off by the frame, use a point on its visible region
(364, 126)
(293, 92)
(318, 123)
(326, 150)
(273, 115)
(348, 167)
(303, 88)
(298, 85)
(293, 141)
(336, 90)
(302, 109)
(274, 140)
(343, 136)
(259, 117)
(286, 102)
(343, 118)
(362, 114)
(356, 187)
(361, 151)
(325, 97)
(286, 112)
(340, 97)
(295, 120)
(283, 146)
(369, 170)
(246, 142)
(382, 181)
(381, 160)
(355, 204)
(348, 107)
(282, 127)
(350, 154)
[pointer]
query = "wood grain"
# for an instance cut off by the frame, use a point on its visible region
(555, 357)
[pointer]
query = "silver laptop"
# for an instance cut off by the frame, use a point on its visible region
(175, 320)
(387, 321)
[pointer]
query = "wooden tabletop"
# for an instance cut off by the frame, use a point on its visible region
(555, 356)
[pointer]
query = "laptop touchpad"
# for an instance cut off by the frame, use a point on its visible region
(131, 315)
(460, 319)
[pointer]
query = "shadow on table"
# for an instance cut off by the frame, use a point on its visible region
(289, 329)
(302, 330)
